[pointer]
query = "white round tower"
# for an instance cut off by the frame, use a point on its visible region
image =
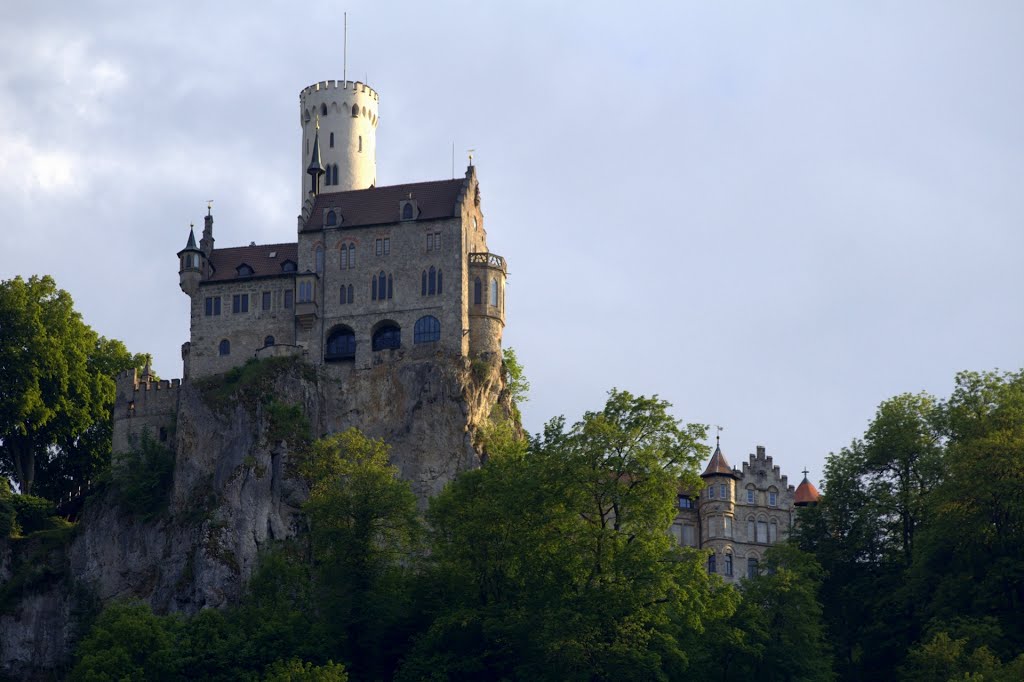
(348, 116)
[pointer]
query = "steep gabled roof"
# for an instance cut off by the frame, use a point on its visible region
(380, 205)
(718, 465)
(226, 261)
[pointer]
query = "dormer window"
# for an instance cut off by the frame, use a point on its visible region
(288, 266)
(244, 270)
(408, 209)
(332, 219)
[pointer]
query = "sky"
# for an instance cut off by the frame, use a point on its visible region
(772, 215)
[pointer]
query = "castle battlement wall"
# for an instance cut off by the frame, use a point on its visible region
(352, 86)
(144, 404)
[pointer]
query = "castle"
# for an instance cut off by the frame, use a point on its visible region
(740, 513)
(376, 274)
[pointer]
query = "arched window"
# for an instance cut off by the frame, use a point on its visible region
(332, 141)
(477, 291)
(341, 344)
(349, 293)
(388, 336)
(269, 341)
(750, 529)
(432, 289)
(382, 286)
(407, 212)
(773, 531)
(288, 266)
(364, 111)
(440, 282)
(344, 257)
(390, 290)
(334, 173)
(323, 109)
(423, 283)
(355, 110)
(752, 568)
(332, 220)
(225, 347)
(711, 563)
(494, 293)
(728, 563)
(344, 295)
(373, 288)
(319, 258)
(427, 330)
(351, 255)
(244, 270)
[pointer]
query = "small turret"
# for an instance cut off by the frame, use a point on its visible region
(806, 494)
(191, 264)
(206, 243)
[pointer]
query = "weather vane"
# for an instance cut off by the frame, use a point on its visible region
(719, 430)
(209, 206)
(470, 152)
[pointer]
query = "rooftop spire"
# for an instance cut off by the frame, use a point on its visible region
(316, 168)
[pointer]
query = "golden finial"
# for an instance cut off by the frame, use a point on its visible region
(209, 207)
(318, 121)
(470, 152)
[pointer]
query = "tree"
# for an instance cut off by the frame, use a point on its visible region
(58, 388)
(365, 536)
(556, 563)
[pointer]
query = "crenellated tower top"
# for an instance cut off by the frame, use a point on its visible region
(348, 113)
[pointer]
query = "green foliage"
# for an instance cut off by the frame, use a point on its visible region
(128, 642)
(920, 530)
(250, 383)
(57, 392)
(365, 536)
(33, 514)
(286, 422)
(142, 478)
(38, 561)
(516, 383)
(8, 516)
(295, 670)
(557, 565)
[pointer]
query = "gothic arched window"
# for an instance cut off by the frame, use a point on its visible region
(332, 141)
(427, 330)
(344, 257)
(439, 282)
(432, 288)
(349, 293)
(355, 110)
(407, 212)
(332, 220)
(225, 347)
(319, 259)
(323, 109)
(423, 283)
(752, 568)
(341, 344)
(351, 255)
(711, 563)
(334, 174)
(494, 293)
(269, 341)
(382, 283)
(389, 286)
(373, 288)
(388, 336)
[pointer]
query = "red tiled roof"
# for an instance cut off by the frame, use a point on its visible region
(805, 494)
(257, 257)
(380, 205)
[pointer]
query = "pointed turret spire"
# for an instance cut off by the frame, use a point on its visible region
(191, 245)
(147, 372)
(316, 168)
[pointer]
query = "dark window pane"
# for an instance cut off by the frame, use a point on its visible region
(341, 344)
(387, 337)
(288, 296)
(225, 347)
(266, 300)
(427, 330)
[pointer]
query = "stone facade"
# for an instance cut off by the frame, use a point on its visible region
(738, 515)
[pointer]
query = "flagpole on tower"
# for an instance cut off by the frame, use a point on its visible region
(344, 53)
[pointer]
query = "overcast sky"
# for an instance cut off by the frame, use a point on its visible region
(774, 215)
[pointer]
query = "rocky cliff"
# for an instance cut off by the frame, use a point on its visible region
(232, 491)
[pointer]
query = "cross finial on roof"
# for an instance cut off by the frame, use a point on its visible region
(805, 472)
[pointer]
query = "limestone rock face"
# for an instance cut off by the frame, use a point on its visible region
(234, 493)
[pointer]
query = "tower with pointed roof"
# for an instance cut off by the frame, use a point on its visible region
(739, 513)
(375, 274)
